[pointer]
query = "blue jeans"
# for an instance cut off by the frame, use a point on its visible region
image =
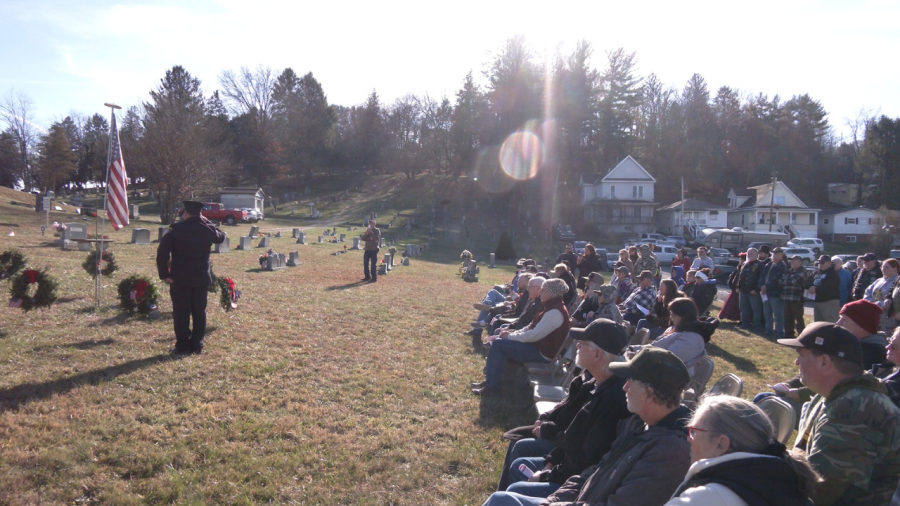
(512, 499)
(529, 447)
(773, 311)
(506, 349)
(491, 299)
(523, 486)
(751, 310)
(370, 257)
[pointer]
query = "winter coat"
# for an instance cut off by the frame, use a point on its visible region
(704, 294)
(644, 466)
(686, 345)
(827, 284)
(748, 279)
(862, 279)
(588, 264)
(740, 479)
(557, 419)
(188, 246)
(678, 275)
(570, 283)
(846, 285)
(773, 278)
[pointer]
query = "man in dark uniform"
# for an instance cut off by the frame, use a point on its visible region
(188, 245)
(372, 239)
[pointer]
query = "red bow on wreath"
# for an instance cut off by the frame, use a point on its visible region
(140, 287)
(231, 286)
(32, 276)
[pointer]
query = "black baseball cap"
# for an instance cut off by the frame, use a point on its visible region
(868, 257)
(657, 367)
(605, 333)
(828, 338)
(646, 275)
(192, 206)
(823, 258)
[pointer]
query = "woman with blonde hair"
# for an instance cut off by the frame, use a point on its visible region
(735, 460)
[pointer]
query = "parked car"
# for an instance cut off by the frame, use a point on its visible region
(564, 232)
(813, 243)
(806, 254)
(719, 253)
(723, 270)
(679, 241)
(665, 253)
(215, 211)
(849, 260)
(253, 215)
(579, 247)
(895, 253)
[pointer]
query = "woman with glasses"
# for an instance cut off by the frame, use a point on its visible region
(735, 460)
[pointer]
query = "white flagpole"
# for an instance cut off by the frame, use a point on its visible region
(102, 245)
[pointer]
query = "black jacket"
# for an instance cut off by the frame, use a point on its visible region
(570, 282)
(827, 283)
(759, 481)
(188, 246)
(557, 419)
(748, 279)
(591, 432)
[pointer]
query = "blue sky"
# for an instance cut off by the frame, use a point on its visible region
(74, 56)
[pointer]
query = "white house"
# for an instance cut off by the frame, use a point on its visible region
(697, 216)
(784, 210)
(849, 224)
(620, 202)
(234, 198)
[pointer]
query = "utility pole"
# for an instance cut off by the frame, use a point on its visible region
(682, 207)
(772, 203)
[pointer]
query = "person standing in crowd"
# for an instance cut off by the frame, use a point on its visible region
(625, 260)
(823, 284)
(732, 445)
(748, 289)
(588, 263)
(881, 292)
(372, 238)
(793, 285)
(624, 284)
(703, 260)
(770, 286)
(647, 261)
(846, 278)
(850, 431)
(682, 260)
(569, 257)
(187, 246)
(866, 273)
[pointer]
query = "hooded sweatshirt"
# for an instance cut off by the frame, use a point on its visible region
(678, 275)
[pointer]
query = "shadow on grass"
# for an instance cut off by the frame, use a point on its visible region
(63, 300)
(511, 406)
(740, 363)
(348, 285)
(14, 397)
(83, 345)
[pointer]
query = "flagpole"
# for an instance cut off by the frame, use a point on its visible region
(102, 245)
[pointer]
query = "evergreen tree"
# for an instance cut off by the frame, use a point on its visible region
(56, 160)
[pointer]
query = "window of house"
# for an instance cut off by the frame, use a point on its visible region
(742, 219)
(713, 213)
(640, 192)
(826, 221)
(762, 219)
(850, 238)
(779, 200)
(637, 211)
(851, 221)
(634, 192)
(612, 191)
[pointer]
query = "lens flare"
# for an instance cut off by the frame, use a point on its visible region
(521, 155)
(487, 172)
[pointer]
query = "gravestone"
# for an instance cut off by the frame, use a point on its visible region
(356, 242)
(134, 211)
(343, 238)
(84, 246)
(254, 231)
(301, 237)
(294, 259)
(140, 236)
(387, 261)
(246, 245)
(491, 265)
(264, 242)
(381, 244)
(278, 234)
(74, 232)
(282, 260)
(295, 233)
(406, 261)
(272, 262)
(225, 247)
(321, 239)
(162, 232)
(382, 270)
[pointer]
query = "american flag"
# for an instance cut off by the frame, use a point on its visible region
(117, 191)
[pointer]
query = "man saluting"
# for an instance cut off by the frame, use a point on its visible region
(189, 278)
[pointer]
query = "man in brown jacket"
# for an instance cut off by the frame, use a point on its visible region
(372, 238)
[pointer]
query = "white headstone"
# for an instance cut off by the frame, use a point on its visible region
(356, 242)
(134, 211)
(381, 244)
(301, 237)
(263, 243)
(140, 236)
(294, 259)
(225, 247)
(492, 261)
(321, 239)
(246, 245)
(343, 238)
(84, 246)
(254, 231)
(406, 261)
(163, 231)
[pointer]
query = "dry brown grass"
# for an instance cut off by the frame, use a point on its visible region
(317, 390)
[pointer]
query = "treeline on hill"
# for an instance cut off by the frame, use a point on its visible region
(267, 128)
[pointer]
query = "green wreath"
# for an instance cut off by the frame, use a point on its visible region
(44, 296)
(109, 260)
(137, 293)
(228, 296)
(11, 262)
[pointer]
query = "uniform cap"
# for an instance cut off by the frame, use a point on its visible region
(192, 206)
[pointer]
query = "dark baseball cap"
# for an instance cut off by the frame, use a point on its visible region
(830, 339)
(646, 275)
(624, 269)
(192, 206)
(607, 334)
(868, 257)
(823, 258)
(657, 367)
(797, 257)
(778, 249)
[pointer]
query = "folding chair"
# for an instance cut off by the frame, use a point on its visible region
(640, 337)
(701, 371)
(727, 385)
(553, 367)
(782, 416)
(563, 376)
(544, 406)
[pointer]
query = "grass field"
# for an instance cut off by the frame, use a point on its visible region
(318, 390)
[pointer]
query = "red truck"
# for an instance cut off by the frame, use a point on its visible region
(214, 211)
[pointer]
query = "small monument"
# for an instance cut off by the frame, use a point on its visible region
(264, 242)
(162, 232)
(301, 237)
(140, 236)
(246, 245)
(294, 259)
(225, 247)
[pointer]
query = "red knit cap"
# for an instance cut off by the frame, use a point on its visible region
(866, 314)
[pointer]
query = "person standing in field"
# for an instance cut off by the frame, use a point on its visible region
(372, 238)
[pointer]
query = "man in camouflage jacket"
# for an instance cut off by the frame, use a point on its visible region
(850, 430)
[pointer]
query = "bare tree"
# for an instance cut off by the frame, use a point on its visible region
(18, 112)
(247, 90)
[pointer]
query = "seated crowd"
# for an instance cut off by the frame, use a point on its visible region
(624, 433)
